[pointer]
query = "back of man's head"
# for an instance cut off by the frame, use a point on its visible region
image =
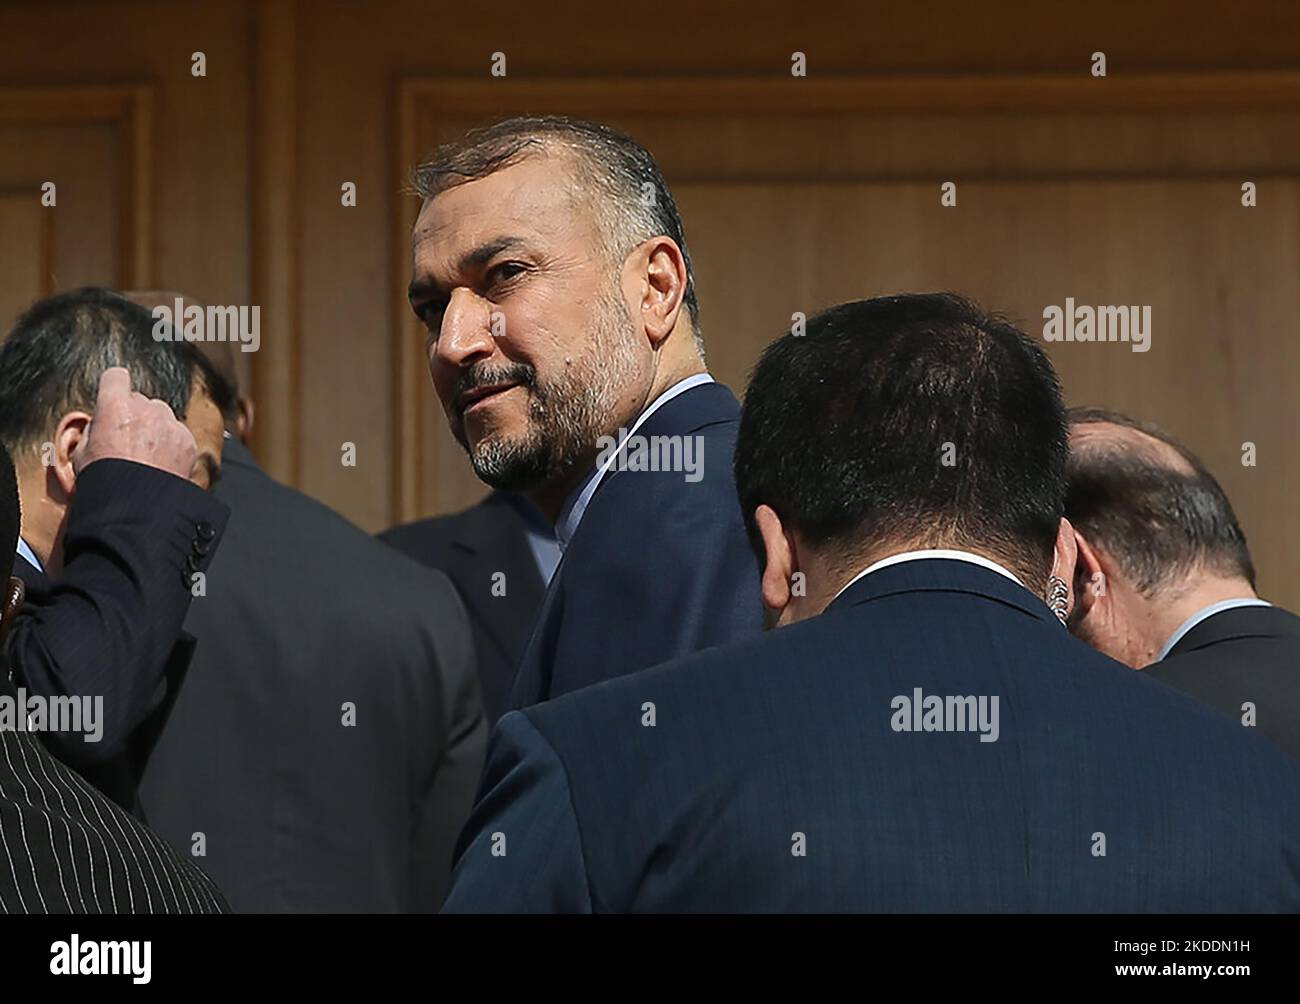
(1148, 502)
(907, 422)
(52, 361)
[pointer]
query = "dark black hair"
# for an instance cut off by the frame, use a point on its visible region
(914, 419)
(633, 186)
(1159, 523)
(52, 361)
(10, 516)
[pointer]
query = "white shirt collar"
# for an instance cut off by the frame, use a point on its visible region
(1204, 613)
(571, 514)
(25, 551)
(898, 559)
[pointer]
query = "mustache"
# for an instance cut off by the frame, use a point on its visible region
(487, 375)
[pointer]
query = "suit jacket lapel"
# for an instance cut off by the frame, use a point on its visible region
(685, 415)
(480, 550)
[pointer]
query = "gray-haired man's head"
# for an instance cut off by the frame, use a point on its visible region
(552, 276)
(1159, 538)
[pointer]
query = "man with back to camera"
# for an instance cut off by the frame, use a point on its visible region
(1165, 579)
(329, 736)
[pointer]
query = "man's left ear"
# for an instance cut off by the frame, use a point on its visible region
(14, 593)
(661, 268)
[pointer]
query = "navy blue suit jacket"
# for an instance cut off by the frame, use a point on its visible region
(659, 566)
(110, 625)
(773, 778)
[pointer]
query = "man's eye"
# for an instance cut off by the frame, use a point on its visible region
(506, 271)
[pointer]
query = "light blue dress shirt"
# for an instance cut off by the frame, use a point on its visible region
(25, 551)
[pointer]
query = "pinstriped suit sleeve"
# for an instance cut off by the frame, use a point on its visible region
(64, 848)
(521, 851)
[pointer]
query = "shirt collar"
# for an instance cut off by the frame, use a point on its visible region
(1202, 614)
(25, 551)
(580, 498)
(540, 534)
(953, 555)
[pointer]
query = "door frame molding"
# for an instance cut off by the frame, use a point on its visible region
(129, 107)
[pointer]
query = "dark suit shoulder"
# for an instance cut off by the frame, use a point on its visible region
(732, 750)
(1262, 622)
(1244, 662)
(288, 520)
(371, 606)
(659, 566)
(676, 503)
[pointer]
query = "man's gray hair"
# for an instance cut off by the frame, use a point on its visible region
(633, 202)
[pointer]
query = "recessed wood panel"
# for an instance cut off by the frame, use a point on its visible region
(25, 230)
(1220, 280)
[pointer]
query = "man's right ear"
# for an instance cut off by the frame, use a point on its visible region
(779, 569)
(1089, 577)
(14, 594)
(69, 436)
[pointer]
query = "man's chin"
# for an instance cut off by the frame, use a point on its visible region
(509, 470)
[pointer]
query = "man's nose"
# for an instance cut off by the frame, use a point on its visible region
(466, 333)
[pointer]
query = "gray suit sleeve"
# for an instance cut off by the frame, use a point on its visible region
(521, 851)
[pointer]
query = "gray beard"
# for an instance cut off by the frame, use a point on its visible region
(565, 419)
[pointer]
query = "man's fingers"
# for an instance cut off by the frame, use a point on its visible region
(114, 384)
(162, 408)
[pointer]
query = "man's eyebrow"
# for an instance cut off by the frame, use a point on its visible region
(423, 287)
(486, 251)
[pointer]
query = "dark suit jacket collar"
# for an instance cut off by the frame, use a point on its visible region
(1236, 623)
(692, 410)
(689, 412)
(478, 528)
(947, 575)
(479, 543)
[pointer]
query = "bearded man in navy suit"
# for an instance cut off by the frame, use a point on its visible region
(552, 276)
